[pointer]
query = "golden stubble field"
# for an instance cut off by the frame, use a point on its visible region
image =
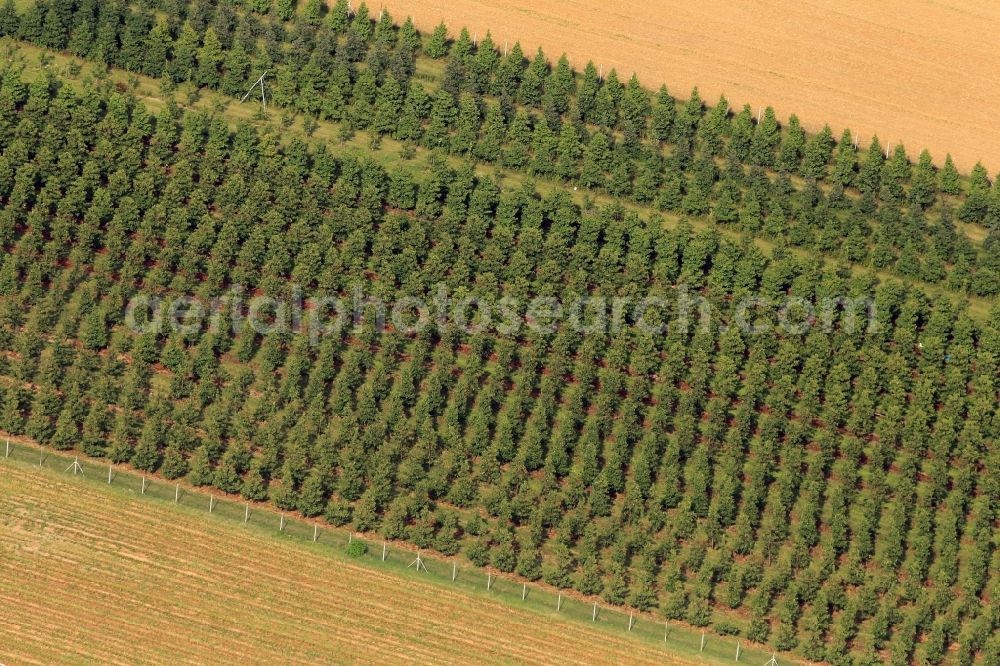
(918, 71)
(93, 576)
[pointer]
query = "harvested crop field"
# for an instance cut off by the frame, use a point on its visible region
(916, 71)
(94, 575)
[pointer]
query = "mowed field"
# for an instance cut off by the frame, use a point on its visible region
(918, 71)
(96, 575)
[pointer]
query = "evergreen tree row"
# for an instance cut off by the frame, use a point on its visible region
(830, 492)
(740, 171)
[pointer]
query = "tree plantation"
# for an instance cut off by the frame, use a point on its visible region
(828, 488)
(735, 167)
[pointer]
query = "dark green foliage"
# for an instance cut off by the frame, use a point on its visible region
(795, 485)
(9, 20)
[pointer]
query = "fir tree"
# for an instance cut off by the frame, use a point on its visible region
(663, 115)
(790, 155)
(174, 463)
(507, 79)
(146, 456)
(924, 189)
(560, 85)
(635, 108)
(339, 20)
(569, 152)
(263, 6)
(596, 161)
(467, 125)
(158, 45)
(312, 496)
(950, 181)
(54, 31)
(361, 24)
(67, 434)
(515, 153)
(766, 139)
(437, 44)
(870, 175)
(209, 58)
(10, 21)
(32, 24)
(388, 106)
(817, 155)
(492, 136)
(94, 437)
(313, 11)
(337, 512)
(185, 52)
(741, 135)
(227, 475)
(255, 485)
(285, 9)
(976, 203)
(533, 81)
(844, 160)
(200, 467)
(589, 87)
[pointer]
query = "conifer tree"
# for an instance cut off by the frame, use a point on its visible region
(285, 9)
(467, 125)
(10, 21)
(185, 53)
(313, 11)
(312, 496)
(437, 44)
(924, 189)
(635, 108)
(174, 463)
(491, 139)
(94, 436)
(766, 139)
(255, 485)
(263, 6)
(713, 126)
(507, 80)
(361, 24)
(200, 467)
(209, 59)
(388, 106)
(227, 475)
(146, 455)
(790, 155)
(515, 152)
(54, 32)
(409, 38)
(158, 45)
(569, 152)
(533, 81)
(663, 115)
(844, 160)
(67, 433)
(560, 85)
(976, 203)
(870, 175)
(543, 145)
(950, 181)
(589, 87)
(32, 24)
(817, 154)
(741, 135)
